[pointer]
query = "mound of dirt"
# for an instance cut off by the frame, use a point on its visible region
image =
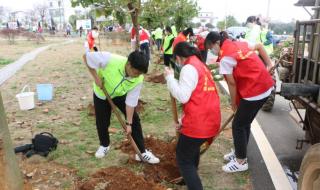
(118, 178)
(167, 169)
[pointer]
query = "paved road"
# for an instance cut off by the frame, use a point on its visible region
(282, 133)
(9, 70)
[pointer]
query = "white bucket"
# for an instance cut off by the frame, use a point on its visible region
(26, 99)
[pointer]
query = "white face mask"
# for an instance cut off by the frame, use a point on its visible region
(95, 34)
(250, 25)
(213, 55)
(214, 51)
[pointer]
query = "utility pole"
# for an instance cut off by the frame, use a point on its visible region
(268, 9)
(10, 175)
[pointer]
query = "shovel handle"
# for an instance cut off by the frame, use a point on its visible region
(174, 113)
(207, 145)
(122, 122)
(174, 109)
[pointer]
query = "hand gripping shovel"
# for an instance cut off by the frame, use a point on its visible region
(205, 146)
(122, 122)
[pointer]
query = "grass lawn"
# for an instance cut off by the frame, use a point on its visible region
(67, 118)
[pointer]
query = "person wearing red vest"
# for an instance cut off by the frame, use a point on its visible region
(144, 36)
(201, 117)
(92, 35)
(249, 84)
(183, 36)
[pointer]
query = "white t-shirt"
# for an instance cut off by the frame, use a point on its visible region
(227, 64)
(99, 60)
(183, 88)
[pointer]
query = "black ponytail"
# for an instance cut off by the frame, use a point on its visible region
(213, 37)
(184, 49)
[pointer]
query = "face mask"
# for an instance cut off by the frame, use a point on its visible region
(214, 52)
(95, 34)
(250, 25)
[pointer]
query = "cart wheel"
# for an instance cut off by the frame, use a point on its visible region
(309, 178)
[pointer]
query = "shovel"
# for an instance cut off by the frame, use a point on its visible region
(174, 113)
(205, 146)
(122, 122)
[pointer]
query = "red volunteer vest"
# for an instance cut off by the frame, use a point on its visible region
(143, 35)
(201, 114)
(90, 40)
(250, 74)
(200, 43)
(179, 38)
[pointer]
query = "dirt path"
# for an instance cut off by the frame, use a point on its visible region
(11, 69)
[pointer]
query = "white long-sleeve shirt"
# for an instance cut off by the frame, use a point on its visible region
(183, 88)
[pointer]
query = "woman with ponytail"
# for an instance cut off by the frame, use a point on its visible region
(249, 84)
(200, 121)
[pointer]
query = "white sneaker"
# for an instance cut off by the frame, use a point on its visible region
(234, 166)
(148, 157)
(230, 156)
(102, 151)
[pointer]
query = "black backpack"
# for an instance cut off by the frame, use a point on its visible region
(42, 144)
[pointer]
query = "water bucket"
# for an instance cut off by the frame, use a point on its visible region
(45, 92)
(26, 99)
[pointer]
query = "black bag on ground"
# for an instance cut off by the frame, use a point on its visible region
(42, 144)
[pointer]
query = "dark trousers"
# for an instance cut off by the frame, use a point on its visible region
(167, 60)
(247, 111)
(158, 43)
(103, 114)
(188, 157)
(145, 49)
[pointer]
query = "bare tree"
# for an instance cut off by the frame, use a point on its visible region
(42, 10)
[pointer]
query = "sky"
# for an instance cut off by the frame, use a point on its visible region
(281, 10)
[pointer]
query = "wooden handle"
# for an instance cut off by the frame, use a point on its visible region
(205, 146)
(175, 114)
(122, 122)
(174, 109)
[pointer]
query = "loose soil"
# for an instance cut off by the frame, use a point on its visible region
(167, 169)
(118, 178)
(39, 173)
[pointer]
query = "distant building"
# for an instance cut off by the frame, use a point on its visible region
(204, 18)
(56, 14)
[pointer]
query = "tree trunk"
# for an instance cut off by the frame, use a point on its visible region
(134, 12)
(10, 176)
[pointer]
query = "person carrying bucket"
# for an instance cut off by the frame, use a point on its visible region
(122, 78)
(201, 118)
(249, 84)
